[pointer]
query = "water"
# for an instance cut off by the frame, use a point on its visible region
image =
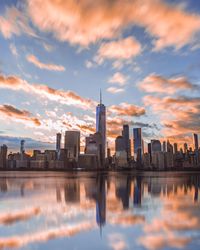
(119, 211)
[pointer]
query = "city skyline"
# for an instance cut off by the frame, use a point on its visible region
(50, 76)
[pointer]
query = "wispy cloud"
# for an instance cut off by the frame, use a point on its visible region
(14, 22)
(159, 84)
(118, 78)
(48, 66)
(126, 109)
(11, 112)
(115, 90)
(13, 49)
(123, 49)
(64, 97)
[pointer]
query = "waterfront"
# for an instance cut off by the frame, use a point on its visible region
(53, 210)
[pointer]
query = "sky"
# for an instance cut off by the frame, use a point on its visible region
(55, 56)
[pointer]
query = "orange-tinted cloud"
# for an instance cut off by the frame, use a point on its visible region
(86, 22)
(61, 96)
(159, 84)
(15, 22)
(18, 115)
(178, 115)
(48, 66)
(123, 49)
(126, 109)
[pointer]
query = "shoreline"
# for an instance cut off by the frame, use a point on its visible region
(136, 170)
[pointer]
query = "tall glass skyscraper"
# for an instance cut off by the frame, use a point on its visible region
(101, 124)
(137, 142)
(125, 134)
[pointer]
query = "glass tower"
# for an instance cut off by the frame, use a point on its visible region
(137, 142)
(101, 124)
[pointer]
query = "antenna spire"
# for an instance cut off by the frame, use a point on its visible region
(100, 97)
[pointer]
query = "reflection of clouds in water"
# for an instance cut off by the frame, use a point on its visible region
(26, 214)
(117, 241)
(161, 240)
(65, 231)
(156, 208)
(127, 220)
(178, 215)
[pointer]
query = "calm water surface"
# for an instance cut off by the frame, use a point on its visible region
(116, 211)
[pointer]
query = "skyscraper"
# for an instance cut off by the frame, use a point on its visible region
(101, 124)
(125, 134)
(175, 148)
(196, 143)
(155, 146)
(164, 146)
(58, 144)
(137, 142)
(3, 156)
(22, 149)
(72, 144)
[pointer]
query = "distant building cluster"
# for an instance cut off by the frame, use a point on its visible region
(97, 154)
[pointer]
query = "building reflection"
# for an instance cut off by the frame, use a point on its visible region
(137, 194)
(72, 191)
(123, 185)
(111, 193)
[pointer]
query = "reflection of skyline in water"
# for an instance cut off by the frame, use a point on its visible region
(144, 202)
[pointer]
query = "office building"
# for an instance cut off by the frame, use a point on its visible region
(101, 125)
(3, 156)
(175, 148)
(94, 147)
(22, 149)
(158, 159)
(72, 144)
(196, 143)
(120, 152)
(155, 146)
(185, 147)
(137, 142)
(127, 144)
(164, 146)
(58, 144)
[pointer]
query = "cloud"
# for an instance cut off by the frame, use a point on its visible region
(178, 115)
(10, 218)
(123, 49)
(33, 59)
(64, 97)
(118, 78)
(159, 84)
(13, 49)
(85, 22)
(126, 109)
(89, 64)
(14, 22)
(115, 90)
(14, 142)
(15, 114)
(24, 240)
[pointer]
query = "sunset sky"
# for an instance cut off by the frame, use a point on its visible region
(55, 55)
